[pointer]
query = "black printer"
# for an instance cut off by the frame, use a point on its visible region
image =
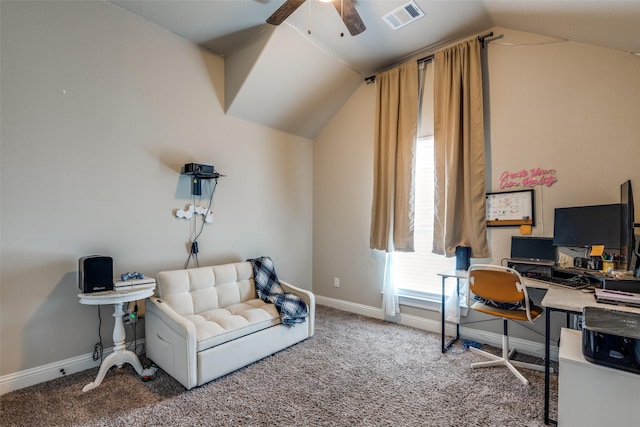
(611, 338)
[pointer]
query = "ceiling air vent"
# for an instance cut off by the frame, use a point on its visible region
(404, 15)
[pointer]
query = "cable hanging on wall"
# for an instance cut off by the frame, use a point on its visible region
(198, 173)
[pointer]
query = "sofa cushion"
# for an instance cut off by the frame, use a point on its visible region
(197, 290)
(217, 326)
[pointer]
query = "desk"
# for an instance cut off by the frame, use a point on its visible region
(120, 354)
(568, 301)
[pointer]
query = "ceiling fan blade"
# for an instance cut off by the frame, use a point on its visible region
(350, 16)
(283, 12)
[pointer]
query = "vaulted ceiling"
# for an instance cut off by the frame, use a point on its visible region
(295, 76)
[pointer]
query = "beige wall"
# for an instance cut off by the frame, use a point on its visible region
(342, 194)
(549, 103)
(100, 110)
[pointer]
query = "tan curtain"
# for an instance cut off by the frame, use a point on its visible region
(394, 159)
(460, 216)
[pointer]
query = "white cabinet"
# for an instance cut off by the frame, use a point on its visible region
(591, 394)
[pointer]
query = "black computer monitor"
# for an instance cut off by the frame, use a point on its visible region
(585, 226)
(627, 237)
(534, 248)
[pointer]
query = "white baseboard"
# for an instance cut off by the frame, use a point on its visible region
(524, 346)
(351, 307)
(51, 371)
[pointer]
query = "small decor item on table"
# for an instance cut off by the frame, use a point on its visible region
(128, 276)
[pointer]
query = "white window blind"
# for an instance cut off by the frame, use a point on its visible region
(418, 271)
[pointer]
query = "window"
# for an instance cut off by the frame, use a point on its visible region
(416, 273)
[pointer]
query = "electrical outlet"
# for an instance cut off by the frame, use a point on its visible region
(336, 282)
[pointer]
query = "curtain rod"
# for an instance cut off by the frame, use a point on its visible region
(429, 58)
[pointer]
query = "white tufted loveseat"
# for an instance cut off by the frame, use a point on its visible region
(207, 322)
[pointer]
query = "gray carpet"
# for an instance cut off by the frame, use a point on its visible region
(355, 371)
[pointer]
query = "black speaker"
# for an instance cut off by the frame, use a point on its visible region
(463, 255)
(96, 273)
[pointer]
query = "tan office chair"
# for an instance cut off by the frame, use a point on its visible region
(502, 287)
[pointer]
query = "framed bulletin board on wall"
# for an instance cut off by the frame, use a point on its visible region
(510, 208)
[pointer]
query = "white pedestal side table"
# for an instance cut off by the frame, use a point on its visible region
(120, 354)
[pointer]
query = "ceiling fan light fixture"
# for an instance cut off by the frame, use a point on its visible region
(345, 8)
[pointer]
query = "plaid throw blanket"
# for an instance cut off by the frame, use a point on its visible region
(291, 308)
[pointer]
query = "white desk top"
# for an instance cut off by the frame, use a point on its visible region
(558, 297)
(114, 297)
(460, 274)
(575, 300)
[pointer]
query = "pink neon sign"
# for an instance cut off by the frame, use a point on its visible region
(528, 178)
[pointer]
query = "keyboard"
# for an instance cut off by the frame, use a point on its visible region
(576, 282)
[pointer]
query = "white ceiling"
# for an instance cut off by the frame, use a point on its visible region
(311, 75)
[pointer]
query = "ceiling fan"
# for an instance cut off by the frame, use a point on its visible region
(345, 8)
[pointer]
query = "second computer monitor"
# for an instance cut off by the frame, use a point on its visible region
(533, 248)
